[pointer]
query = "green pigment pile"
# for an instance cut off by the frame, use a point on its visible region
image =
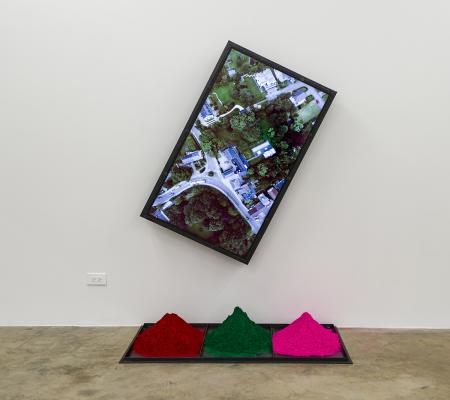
(238, 336)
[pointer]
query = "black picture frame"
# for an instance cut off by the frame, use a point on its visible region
(206, 91)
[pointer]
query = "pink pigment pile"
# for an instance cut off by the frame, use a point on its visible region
(305, 337)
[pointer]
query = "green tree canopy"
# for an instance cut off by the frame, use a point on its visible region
(298, 124)
(180, 174)
(262, 169)
(283, 145)
(251, 135)
(242, 121)
(269, 134)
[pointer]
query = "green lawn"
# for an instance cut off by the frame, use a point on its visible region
(256, 160)
(224, 93)
(189, 145)
(253, 87)
(264, 124)
(248, 154)
(309, 112)
(228, 136)
(234, 56)
(232, 138)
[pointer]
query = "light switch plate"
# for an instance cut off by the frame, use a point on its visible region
(96, 279)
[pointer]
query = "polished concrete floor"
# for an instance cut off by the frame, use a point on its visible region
(82, 363)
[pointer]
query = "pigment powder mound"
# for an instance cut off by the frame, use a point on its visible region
(305, 337)
(171, 336)
(238, 336)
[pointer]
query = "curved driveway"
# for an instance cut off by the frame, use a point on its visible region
(215, 183)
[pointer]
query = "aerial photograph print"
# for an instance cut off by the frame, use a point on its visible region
(239, 151)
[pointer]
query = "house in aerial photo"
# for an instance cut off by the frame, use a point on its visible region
(206, 116)
(265, 149)
(265, 80)
(191, 157)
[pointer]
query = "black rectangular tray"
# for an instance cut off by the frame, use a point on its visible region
(340, 358)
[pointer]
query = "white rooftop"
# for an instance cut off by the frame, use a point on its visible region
(265, 79)
(264, 148)
(281, 76)
(264, 199)
(192, 157)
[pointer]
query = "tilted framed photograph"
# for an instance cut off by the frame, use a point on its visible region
(238, 153)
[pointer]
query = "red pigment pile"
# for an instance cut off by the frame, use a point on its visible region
(171, 336)
(305, 337)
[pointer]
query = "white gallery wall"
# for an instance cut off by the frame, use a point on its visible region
(93, 97)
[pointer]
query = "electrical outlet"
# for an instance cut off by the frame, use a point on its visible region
(96, 279)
